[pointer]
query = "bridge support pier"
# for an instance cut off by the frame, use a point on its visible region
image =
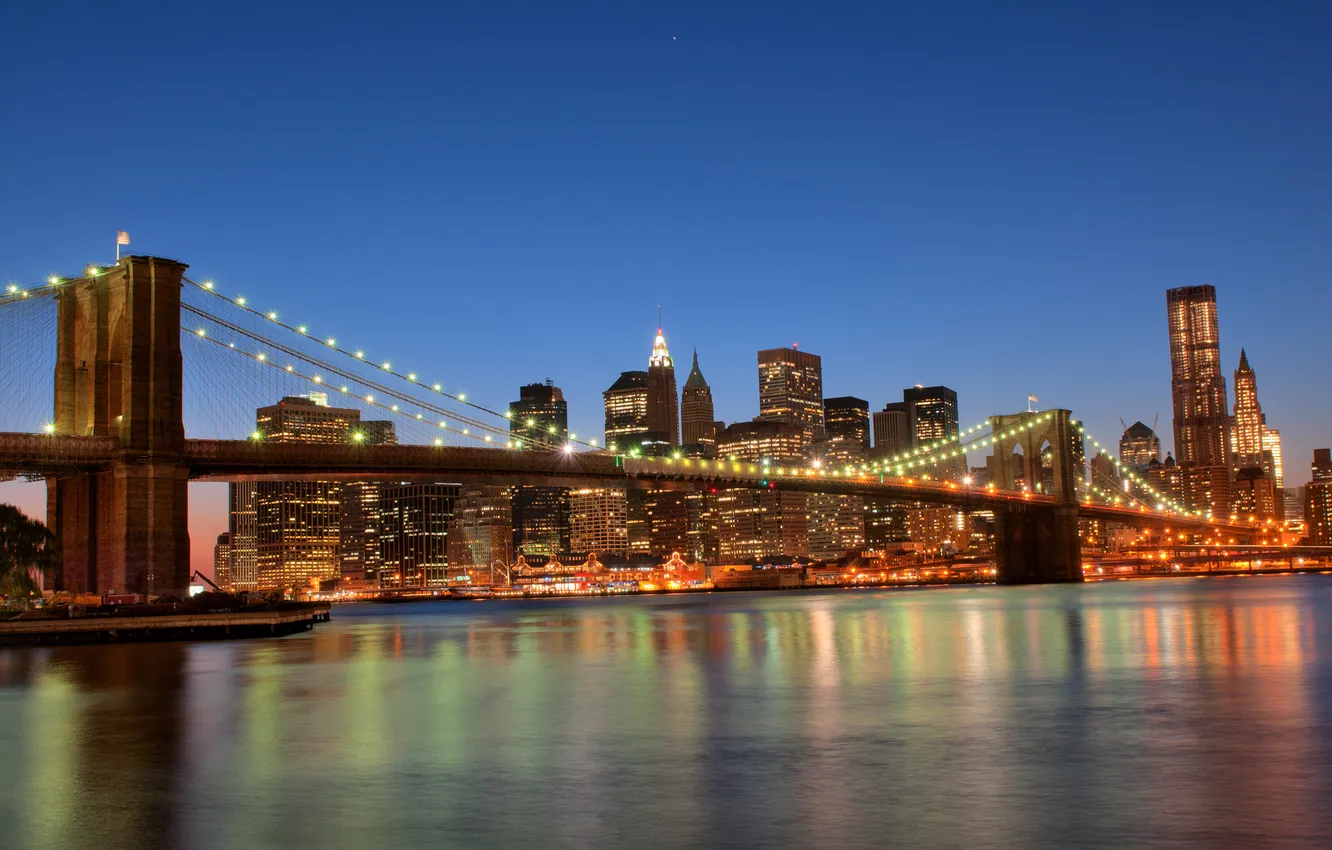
(1037, 544)
(119, 374)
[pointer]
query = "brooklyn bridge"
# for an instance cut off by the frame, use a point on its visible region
(136, 345)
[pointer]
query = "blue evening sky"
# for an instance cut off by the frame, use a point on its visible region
(989, 196)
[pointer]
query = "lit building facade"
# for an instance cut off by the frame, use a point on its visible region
(242, 525)
(1198, 396)
(540, 520)
(696, 411)
(1318, 499)
(480, 535)
(1248, 423)
(1255, 494)
(540, 416)
(894, 430)
(360, 525)
(1139, 446)
(846, 421)
(599, 521)
(627, 424)
(415, 534)
(759, 440)
(222, 560)
(663, 412)
(791, 390)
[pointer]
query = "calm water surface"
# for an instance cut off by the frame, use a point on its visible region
(1183, 713)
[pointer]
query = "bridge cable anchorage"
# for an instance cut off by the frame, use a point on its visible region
(369, 400)
(209, 288)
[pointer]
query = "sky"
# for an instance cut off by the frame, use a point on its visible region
(994, 197)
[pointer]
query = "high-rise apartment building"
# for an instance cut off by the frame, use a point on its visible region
(791, 390)
(598, 521)
(1139, 446)
(540, 416)
(414, 534)
(696, 411)
(1318, 499)
(663, 412)
(1198, 393)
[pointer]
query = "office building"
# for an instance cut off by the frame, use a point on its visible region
(244, 533)
(663, 413)
(791, 390)
(414, 535)
(1318, 499)
(696, 411)
(1248, 422)
(627, 426)
(539, 419)
(1138, 447)
(1198, 394)
(894, 430)
(762, 440)
(1255, 495)
(359, 531)
(1272, 455)
(480, 535)
(540, 520)
(846, 420)
(598, 521)
(222, 560)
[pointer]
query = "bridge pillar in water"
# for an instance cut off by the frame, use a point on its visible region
(119, 373)
(1036, 543)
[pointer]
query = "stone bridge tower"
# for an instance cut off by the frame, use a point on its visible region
(1037, 543)
(119, 374)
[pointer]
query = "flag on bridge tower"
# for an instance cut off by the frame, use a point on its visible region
(122, 238)
(1031, 399)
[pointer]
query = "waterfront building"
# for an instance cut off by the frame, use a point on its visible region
(663, 414)
(696, 411)
(415, 532)
(244, 534)
(1255, 494)
(1138, 447)
(1198, 394)
(358, 533)
(937, 530)
(540, 416)
(598, 521)
(791, 390)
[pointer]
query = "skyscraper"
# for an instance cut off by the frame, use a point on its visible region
(1272, 454)
(846, 420)
(663, 412)
(696, 410)
(894, 430)
(540, 416)
(934, 410)
(540, 520)
(414, 535)
(1139, 446)
(480, 535)
(360, 525)
(1318, 499)
(1198, 394)
(791, 389)
(222, 560)
(627, 425)
(599, 521)
(1249, 428)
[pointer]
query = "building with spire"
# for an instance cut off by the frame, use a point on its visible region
(1248, 427)
(663, 412)
(696, 410)
(1139, 446)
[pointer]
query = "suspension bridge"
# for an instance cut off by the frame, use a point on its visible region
(141, 354)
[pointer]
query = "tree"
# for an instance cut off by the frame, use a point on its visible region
(25, 544)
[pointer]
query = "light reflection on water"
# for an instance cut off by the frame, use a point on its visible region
(1168, 713)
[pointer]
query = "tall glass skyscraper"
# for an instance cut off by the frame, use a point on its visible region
(791, 389)
(1198, 395)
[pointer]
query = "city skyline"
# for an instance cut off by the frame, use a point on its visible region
(928, 198)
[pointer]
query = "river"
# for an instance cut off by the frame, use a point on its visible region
(1171, 713)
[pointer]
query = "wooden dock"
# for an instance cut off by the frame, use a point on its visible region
(228, 625)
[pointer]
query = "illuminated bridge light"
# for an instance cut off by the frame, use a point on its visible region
(411, 376)
(241, 301)
(301, 329)
(272, 314)
(207, 284)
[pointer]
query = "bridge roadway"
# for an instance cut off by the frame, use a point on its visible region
(234, 460)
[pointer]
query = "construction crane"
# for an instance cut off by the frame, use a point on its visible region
(209, 581)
